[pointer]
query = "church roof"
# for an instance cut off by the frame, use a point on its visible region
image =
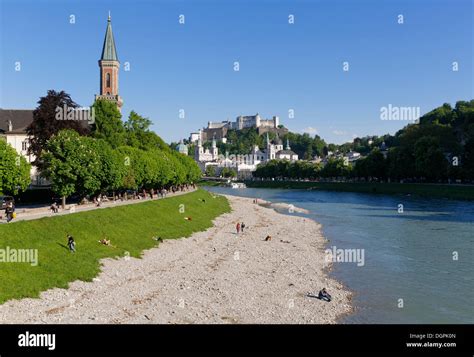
(278, 141)
(109, 53)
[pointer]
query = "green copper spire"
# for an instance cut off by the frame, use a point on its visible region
(109, 53)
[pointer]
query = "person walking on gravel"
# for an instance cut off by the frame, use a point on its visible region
(237, 227)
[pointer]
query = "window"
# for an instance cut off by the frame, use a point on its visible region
(107, 80)
(24, 145)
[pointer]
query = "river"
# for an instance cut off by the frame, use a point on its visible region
(418, 258)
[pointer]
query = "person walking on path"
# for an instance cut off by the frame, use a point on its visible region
(237, 227)
(9, 211)
(242, 226)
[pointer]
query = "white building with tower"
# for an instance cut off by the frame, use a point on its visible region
(202, 155)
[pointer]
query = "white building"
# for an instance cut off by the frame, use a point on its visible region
(13, 124)
(275, 151)
(352, 156)
(194, 137)
(201, 155)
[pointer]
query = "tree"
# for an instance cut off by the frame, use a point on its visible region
(429, 159)
(335, 168)
(308, 155)
(228, 172)
(72, 164)
(376, 164)
(468, 160)
(108, 123)
(138, 133)
(45, 123)
(14, 170)
(113, 171)
(210, 171)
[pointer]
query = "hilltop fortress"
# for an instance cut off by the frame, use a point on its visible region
(218, 130)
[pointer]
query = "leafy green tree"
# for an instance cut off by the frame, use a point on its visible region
(429, 159)
(108, 123)
(400, 163)
(139, 135)
(113, 168)
(14, 170)
(72, 164)
(468, 160)
(228, 172)
(376, 164)
(45, 123)
(335, 168)
(210, 171)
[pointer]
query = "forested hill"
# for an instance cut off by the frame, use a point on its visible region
(451, 130)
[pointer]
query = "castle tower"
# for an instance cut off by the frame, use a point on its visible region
(109, 69)
(270, 153)
(257, 120)
(276, 121)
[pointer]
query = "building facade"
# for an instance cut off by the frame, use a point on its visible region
(13, 124)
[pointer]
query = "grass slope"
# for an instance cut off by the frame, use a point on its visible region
(130, 229)
(454, 192)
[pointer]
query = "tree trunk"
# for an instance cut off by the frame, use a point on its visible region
(64, 202)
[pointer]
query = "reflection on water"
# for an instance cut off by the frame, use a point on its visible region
(408, 256)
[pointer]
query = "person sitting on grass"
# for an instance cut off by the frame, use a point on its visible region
(105, 241)
(324, 295)
(71, 244)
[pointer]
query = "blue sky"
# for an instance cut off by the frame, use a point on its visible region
(282, 66)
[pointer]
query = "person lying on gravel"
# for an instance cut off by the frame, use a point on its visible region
(324, 295)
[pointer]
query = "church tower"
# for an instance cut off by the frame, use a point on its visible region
(214, 148)
(109, 69)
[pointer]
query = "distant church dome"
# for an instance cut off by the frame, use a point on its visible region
(182, 148)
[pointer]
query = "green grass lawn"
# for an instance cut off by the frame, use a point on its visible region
(455, 192)
(130, 229)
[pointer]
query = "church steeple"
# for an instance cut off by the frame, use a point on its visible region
(109, 52)
(109, 69)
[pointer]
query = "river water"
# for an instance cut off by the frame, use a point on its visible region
(418, 264)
